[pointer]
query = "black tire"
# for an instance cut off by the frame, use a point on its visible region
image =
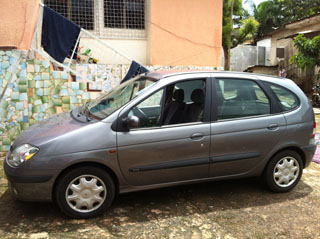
(275, 173)
(90, 180)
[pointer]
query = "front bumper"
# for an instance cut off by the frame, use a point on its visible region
(28, 187)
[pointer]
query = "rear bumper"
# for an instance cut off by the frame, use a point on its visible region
(309, 152)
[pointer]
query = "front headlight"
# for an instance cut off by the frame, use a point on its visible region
(21, 154)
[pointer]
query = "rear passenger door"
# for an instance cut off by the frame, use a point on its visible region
(245, 126)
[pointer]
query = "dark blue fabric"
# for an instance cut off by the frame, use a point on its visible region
(134, 70)
(59, 34)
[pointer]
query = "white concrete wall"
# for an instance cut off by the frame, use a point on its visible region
(267, 44)
(243, 56)
(264, 42)
(134, 49)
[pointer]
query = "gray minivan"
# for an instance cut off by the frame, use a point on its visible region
(162, 129)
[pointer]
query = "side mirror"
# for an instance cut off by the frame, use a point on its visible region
(132, 121)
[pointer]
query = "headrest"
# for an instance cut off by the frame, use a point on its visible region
(244, 93)
(178, 95)
(197, 96)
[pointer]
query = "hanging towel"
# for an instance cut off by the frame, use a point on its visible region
(59, 34)
(18, 21)
(134, 70)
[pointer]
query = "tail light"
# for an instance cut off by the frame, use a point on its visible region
(314, 129)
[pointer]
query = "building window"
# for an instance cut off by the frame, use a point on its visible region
(80, 12)
(280, 53)
(127, 14)
(105, 18)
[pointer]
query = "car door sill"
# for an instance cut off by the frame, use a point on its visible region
(134, 188)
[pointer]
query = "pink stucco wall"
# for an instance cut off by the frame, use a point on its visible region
(18, 20)
(186, 32)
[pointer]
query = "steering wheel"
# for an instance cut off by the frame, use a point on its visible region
(139, 113)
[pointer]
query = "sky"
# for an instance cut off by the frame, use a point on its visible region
(258, 1)
(247, 6)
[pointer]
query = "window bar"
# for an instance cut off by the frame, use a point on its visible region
(56, 62)
(103, 42)
(99, 15)
(74, 49)
(105, 18)
(106, 44)
(124, 14)
(69, 8)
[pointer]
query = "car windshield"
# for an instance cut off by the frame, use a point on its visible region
(119, 96)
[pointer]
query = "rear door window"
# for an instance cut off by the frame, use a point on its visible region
(237, 98)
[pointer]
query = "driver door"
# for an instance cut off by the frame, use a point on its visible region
(155, 153)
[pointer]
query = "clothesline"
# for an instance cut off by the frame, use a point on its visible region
(48, 56)
(101, 41)
(61, 42)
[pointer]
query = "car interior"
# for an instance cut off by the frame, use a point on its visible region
(183, 103)
(237, 98)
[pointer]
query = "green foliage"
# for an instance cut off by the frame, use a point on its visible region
(227, 28)
(248, 27)
(297, 9)
(273, 14)
(269, 15)
(308, 55)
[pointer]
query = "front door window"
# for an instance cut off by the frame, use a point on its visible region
(149, 110)
(178, 103)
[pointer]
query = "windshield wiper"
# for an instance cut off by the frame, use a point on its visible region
(85, 111)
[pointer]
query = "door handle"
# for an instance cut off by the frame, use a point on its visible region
(197, 136)
(273, 126)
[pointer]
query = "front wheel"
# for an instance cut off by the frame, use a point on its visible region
(283, 171)
(85, 192)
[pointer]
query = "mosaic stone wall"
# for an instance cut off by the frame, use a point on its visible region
(31, 90)
(36, 91)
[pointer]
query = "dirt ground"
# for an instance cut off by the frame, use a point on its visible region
(226, 209)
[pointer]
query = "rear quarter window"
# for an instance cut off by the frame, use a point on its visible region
(287, 99)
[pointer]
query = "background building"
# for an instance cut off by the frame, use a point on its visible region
(160, 34)
(157, 32)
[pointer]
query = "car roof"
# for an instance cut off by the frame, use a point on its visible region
(168, 73)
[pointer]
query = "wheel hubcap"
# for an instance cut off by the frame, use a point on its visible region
(86, 193)
(286, 172)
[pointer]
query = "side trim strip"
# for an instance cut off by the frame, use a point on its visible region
(194, 162)
(169, 165)
(233, 157)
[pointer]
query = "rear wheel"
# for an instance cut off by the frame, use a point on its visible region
(85, 192)
(283, 171)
